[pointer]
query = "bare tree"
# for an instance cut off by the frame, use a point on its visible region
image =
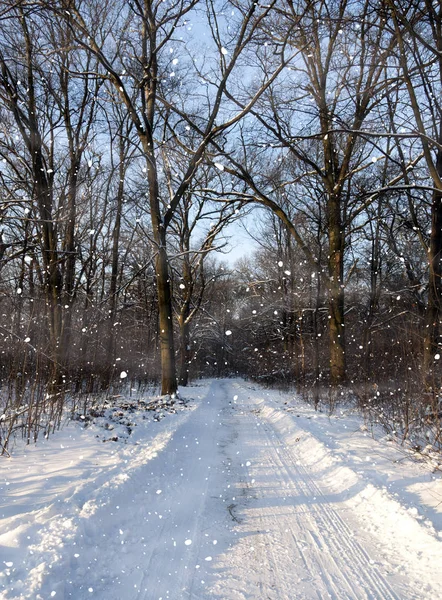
(195, 243)
(418, 31)
(137, 66)
(30, 114)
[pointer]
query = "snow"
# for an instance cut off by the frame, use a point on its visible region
(261, 497)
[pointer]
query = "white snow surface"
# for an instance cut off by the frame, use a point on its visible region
(247, 493)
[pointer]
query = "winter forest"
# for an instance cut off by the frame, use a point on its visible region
(134, 133)
(142, 140)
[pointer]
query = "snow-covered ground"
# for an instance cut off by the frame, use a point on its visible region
(245, 493)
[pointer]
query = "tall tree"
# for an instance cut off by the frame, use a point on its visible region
(315, 114)
(27, 98)
(132, 44)
(418, 31)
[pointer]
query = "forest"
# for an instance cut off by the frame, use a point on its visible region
(137, 135)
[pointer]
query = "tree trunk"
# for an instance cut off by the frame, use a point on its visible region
(53, 278)
(316, 369)
(336, 294)
(69, 270)
(184, 351)
(432, 329)
(167, 348)
(165, 314)
(164, 295)
(374, 294)
(113, 294)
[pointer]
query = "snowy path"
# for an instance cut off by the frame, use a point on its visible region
(239, 498)
(306, 536)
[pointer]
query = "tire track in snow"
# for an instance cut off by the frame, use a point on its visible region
(337, 555)
(407, 548)
(332, 555)
(341, 518)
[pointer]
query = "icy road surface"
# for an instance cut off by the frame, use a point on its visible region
(245, 494)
